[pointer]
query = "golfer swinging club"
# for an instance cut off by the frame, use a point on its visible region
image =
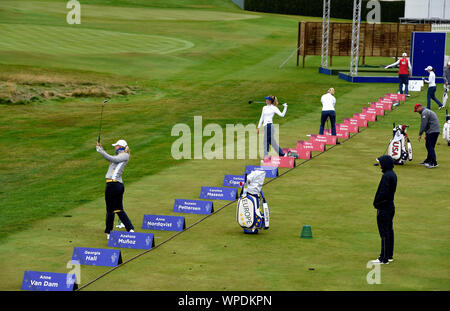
(404, 71)
(114, 186)
(266, 119)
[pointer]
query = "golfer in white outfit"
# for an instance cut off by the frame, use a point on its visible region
(266, 120)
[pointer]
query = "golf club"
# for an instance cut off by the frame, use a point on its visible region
(256, 102)
(101, 119)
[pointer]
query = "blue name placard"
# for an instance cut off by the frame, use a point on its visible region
(233, 180)
(193, 206)
(218, 193)
(271, 171)
(48, 281)
(97, 256)
(136, 240)
(161, 222)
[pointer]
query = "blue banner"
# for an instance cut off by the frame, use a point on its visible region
(233, 180)
(193, 206)
(271, 171)
(48, 281)
(97, 256)
(161, 222)
(218, 193)
(136, 240)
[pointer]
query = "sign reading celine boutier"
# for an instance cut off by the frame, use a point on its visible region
(193, 206)
(97, 256)
(162, 222)
(233, 180)
(48, 281)
(218, 193)
(136, 240)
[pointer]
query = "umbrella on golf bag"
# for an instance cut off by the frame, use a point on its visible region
(252, 212)
(400, 148)
(446, 129)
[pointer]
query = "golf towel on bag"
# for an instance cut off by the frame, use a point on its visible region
(251, 215)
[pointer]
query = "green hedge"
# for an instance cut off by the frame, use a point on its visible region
(390, 11)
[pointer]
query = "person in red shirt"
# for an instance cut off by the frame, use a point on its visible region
(403, 72)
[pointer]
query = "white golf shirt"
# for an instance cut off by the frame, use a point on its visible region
(431, 79)
(268, 112)
(328, 102)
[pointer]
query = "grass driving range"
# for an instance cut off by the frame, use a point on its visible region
(164, 62)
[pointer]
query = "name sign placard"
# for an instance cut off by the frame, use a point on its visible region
(280, 161)
(219, 193)
(365, 116)
(379, 108)
(97, 256)
(348, 127)
(327, 139)
(359, 122)
(136, 240)
(162, 222)
(271, 171)
(48, 281)
(193, 206)
(339, 133)
(233, 180)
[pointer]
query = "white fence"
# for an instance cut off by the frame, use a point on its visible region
(440, 27)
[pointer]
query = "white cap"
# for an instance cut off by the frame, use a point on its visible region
(448, 63)
(429, 68)
(404, 54)
(120, 142)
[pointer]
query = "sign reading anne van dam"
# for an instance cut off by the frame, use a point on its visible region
(97, 256)
(136, 240)
(233, 180)
(193, 206)
(48, 281)
(162, 222)
(218, 193)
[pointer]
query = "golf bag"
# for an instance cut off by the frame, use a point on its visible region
(445, 96)
(446, 129)
(252, 212)
(400, 148)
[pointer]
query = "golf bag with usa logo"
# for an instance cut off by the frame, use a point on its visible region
(400, 148)
(252, 212)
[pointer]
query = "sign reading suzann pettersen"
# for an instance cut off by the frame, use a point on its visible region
(193, 206)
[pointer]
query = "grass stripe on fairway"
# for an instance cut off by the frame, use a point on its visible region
(69, 40)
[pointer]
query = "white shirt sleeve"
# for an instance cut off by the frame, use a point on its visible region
(261, 119)
(392, 65)
(277, 111)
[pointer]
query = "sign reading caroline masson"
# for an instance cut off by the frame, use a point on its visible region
(218, 193)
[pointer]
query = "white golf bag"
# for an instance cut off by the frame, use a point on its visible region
(446, 129)
(252, 212)
(400, 148)
(445, 96)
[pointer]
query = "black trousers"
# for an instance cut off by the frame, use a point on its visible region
(430, 143)
(325, 115)
(386, 229)
(113, 198)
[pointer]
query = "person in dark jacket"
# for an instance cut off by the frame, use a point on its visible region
(430, 125)
(384, 203)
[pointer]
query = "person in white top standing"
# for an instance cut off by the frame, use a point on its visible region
(328, 102)
(266, 120)
(431, 94)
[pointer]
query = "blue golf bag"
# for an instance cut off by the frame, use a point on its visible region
(252, 212)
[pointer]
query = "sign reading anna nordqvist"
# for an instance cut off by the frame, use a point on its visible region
(136, 240)
(97, 256)
(193, 206)
(161, 222)
(48, 281)
(218, 193)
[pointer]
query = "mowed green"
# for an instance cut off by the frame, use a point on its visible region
(52, 199)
